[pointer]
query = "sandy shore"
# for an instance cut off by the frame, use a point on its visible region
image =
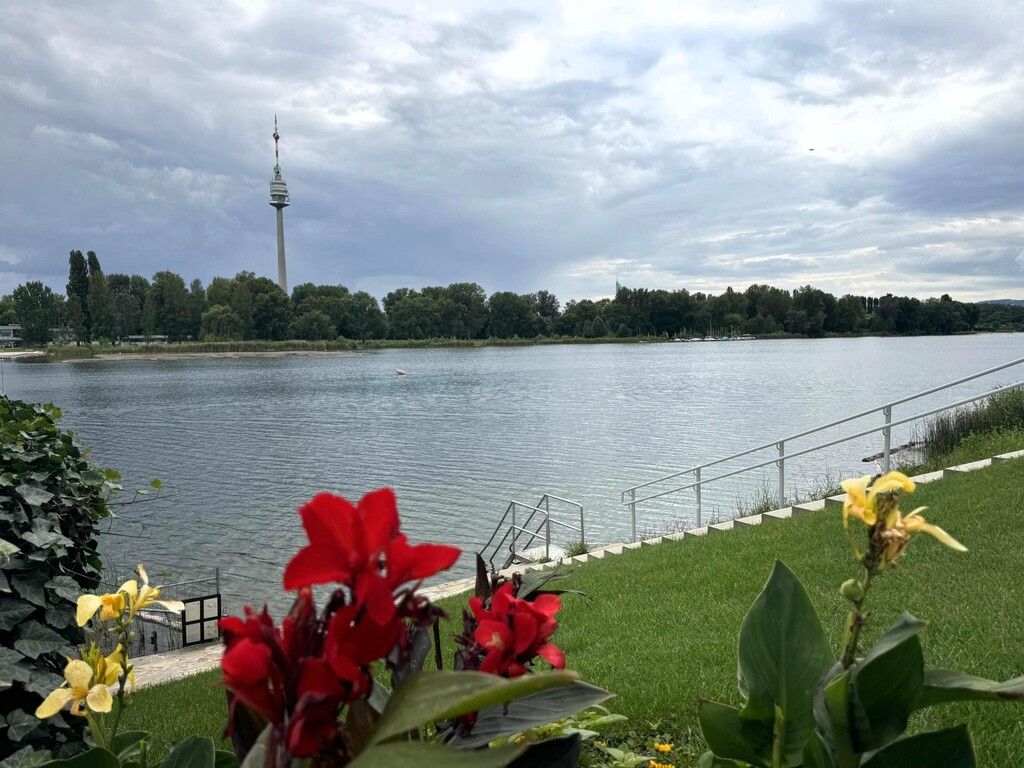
(151, 356)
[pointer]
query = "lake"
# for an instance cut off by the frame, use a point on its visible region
(240, 443)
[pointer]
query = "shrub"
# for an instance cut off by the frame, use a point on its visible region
(51, 498)
(1001, 411)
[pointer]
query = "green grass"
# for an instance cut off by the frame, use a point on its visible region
(659, 627)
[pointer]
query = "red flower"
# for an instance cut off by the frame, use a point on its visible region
(514, 632)
(361, 547)
(249, 665)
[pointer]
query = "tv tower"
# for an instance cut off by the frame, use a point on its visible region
(280, 200)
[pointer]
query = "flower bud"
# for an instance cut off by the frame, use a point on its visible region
(852, 590)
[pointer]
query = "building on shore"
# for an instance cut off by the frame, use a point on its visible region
(10, 336)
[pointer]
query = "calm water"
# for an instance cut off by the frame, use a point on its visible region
(240, 443)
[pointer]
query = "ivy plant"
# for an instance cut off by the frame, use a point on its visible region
(51, 500)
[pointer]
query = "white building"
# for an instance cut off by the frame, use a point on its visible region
(10, 336)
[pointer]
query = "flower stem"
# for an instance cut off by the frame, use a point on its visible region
(857, 620)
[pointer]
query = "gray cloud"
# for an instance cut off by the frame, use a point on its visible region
(532, 146)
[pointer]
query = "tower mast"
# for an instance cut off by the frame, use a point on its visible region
(280, 200)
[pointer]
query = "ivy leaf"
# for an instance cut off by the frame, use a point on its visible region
(34, 639)
(12, 612)
(28, 757)
(30, 589)
(6, 550)
(20, 724)
(12, 668)
(65, 587)
(33, 495)
(43, 682)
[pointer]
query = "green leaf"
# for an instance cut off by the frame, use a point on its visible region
(530, 711)
(13, 668)
(949, 748)
(724, 732)
(424, 755)
(560, 752)
(783, 654)
(97, 757)
(30, 589)
(945, 685)
(193, 752)
(885, 685)
(431, 696)
(256, 757)
(12, 612)
(711, 760)
(64, 586)
(28, 757)
(224, 759)
(34, 639)
(6, 550)
(816, 754)
(20, 724)
(43, 682)
(33, 495)
(128, 744)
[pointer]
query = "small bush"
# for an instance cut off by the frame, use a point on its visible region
(1001, 411)
(576, 548)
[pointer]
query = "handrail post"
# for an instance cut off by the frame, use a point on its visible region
(887, 432)
(515, 530)
(583, 536)
(547, 535)
(697, 488)
(632, 510)
(782, 473)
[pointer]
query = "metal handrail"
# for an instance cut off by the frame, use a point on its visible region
(831, 424)
(513, 530)
(629, 496)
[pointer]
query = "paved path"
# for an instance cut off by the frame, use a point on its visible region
(162, 667)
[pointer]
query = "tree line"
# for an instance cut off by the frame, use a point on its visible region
(98, 307)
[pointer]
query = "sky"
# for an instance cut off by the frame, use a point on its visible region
(861, 147)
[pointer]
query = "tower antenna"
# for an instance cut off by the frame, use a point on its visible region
(280, 200)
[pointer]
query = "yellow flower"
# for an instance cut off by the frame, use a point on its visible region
(862, 502)
(656, 764)
(898, 529)
(81, 685)
(129, 596)
(112, 606)
(663, 747)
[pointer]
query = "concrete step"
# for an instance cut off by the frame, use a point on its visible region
(809, 506)
(747, 522)
(696, 531)
(1007, 456)
(778, 514)
(927, 477)
(721, 527)
(832, 501)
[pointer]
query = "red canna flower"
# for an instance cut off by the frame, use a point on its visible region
(514, 632)
(361, 547)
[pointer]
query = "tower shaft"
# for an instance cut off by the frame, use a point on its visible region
(282, 271)
(279, 199)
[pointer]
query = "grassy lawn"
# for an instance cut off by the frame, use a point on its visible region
(658, 627)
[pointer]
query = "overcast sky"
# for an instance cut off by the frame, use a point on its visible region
(547, 145)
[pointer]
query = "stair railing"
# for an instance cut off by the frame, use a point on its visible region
(629, 496)
(517, 527)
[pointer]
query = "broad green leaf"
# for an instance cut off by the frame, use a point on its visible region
(97, 757)
(530, 711)
(193, 752)
(30, 589)
(43, 682)
(816, 754)
(224, 759)
(6, 550)
(34, 639)
(128, 744)
(949, 748)
(561, 752)
(431, 696)
(534, 580)
(424, 755)
(783, 654)
(256, 757)
(12, 612)
(724, 732)
(885, 685)
(945, 685)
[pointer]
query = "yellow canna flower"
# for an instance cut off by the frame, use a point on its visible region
(862, 502)
(898, 529)
(148, 596)
(81, 686)
(109, 606)
(663, 747)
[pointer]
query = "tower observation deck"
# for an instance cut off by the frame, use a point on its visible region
(280, 200)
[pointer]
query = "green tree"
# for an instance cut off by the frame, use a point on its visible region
(170, 306)
(312, 326)
(220, 323)
(78, 289)
(367, 320)
(100, 303)
(241, 303)
(220, 291)
(471, 308)
(37, 309)
(74, 322)
(271, 309)
(8, 311)
(510, 315)
(196, 307)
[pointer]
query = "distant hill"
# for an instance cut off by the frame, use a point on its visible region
(1011, 302)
